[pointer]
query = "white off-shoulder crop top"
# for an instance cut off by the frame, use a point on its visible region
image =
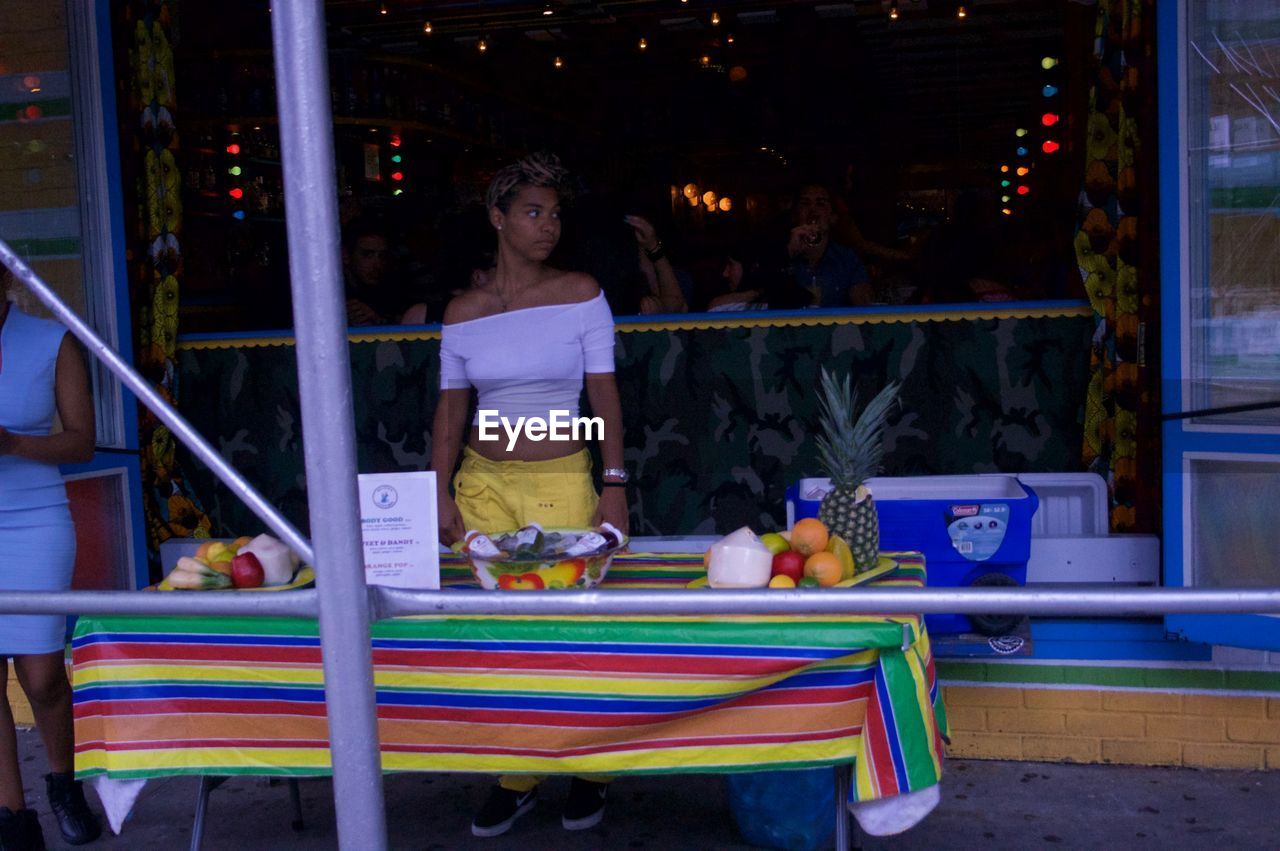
(526, 363)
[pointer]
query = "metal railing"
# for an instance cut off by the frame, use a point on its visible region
(341, 600)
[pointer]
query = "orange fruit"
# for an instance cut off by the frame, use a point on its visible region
(809, 536)
(824, 567)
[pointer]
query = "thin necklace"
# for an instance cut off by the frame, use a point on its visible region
(503, 300)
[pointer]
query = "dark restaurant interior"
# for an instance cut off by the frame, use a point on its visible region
(704, 118)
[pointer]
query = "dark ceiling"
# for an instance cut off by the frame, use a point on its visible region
(930, 83)
(774, 86)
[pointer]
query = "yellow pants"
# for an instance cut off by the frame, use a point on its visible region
(525, 782)
(499, 496)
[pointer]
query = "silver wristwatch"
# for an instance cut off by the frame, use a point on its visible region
(616, 473)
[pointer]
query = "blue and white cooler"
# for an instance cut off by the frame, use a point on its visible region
(973, 530)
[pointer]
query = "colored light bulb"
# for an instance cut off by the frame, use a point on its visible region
(233, 149)
(1049, 91)
(1023, 171)
(1050, 146)
(1022, 152)
(234, 171)
(1023, 190)
(1049, 119)
(236, 193)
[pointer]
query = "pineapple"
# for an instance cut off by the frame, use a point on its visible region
(851, 452)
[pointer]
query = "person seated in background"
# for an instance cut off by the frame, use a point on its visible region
(624, 253)
(665, 293)
(466, 262)
(374, 295)
(745, 278)
(831, 274)
(959, 260)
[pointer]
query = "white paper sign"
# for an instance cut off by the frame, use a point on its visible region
(398, 522)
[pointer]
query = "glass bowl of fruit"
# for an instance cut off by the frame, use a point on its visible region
(533, 558)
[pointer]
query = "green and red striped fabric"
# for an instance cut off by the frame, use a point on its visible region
(546, 695)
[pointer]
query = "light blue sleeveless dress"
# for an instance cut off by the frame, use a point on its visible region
(37, 540)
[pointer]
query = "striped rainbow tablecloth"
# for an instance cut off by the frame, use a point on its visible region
(159, 696)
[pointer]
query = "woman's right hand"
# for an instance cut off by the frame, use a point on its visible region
(450, 520)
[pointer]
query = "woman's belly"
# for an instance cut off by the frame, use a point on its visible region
(520, 447)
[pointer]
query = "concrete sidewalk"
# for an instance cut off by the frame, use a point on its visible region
(985, 804)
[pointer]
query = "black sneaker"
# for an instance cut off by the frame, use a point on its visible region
(501, 811)
(20, 831)
(585, 807)
(66, 798)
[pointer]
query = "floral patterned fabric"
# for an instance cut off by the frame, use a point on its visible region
(1112, 257)
(170, 506)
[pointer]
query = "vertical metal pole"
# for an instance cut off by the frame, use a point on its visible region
(328, 424)
(843, 834)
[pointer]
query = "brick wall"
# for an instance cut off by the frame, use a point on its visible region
(1136, 727)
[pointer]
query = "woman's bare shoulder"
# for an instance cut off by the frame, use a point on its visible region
(472, 304)
(573, 287)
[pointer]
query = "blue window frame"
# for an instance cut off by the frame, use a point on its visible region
(1219, 93)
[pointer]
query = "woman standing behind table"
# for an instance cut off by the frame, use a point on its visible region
(528, 339)
(41, 372)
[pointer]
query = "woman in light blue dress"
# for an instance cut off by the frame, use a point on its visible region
(41, 374)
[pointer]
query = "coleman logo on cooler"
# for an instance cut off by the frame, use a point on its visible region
(964, 510)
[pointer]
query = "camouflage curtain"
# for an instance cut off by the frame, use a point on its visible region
(718, 420)
(1114, 252)
(150, 144)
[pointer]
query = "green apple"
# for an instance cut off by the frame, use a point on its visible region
(775, 542)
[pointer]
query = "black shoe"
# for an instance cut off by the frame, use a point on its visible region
(501, 811)
(66, 798)
(20, 831)
(585, 807)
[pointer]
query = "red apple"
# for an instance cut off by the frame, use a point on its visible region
(789, 563)
(246, 571)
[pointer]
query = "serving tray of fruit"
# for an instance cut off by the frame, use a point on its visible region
(808, 556)
(533, 558)
(263, 563)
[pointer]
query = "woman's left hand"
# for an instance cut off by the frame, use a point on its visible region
(646, 236)
(613, 509)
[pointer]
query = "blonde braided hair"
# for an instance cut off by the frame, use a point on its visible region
(541, 170)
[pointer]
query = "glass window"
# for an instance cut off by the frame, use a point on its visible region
(1234, 191)
(53, 201)
(1234, 535)
(100, 508)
